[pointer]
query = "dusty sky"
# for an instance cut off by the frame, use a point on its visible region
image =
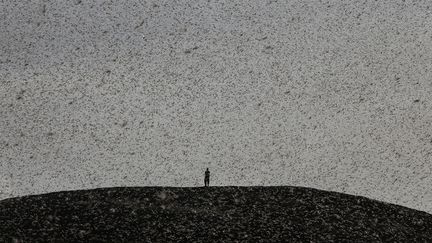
(334, 95)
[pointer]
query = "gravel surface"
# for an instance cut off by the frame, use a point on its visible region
(214, 214)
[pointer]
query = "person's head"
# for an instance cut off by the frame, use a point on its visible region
(207, 169)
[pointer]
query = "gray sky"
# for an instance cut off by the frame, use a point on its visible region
(333, 95)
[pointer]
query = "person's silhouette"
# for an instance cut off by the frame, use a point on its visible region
(207, 177)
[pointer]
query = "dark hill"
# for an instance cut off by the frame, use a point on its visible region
(222, 214)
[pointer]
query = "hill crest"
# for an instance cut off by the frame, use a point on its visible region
(213, 213)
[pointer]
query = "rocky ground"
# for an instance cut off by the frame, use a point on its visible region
(214, 214)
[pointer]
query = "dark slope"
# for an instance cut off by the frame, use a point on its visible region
(225, 214)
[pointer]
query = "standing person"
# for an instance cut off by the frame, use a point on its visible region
(207, 177)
